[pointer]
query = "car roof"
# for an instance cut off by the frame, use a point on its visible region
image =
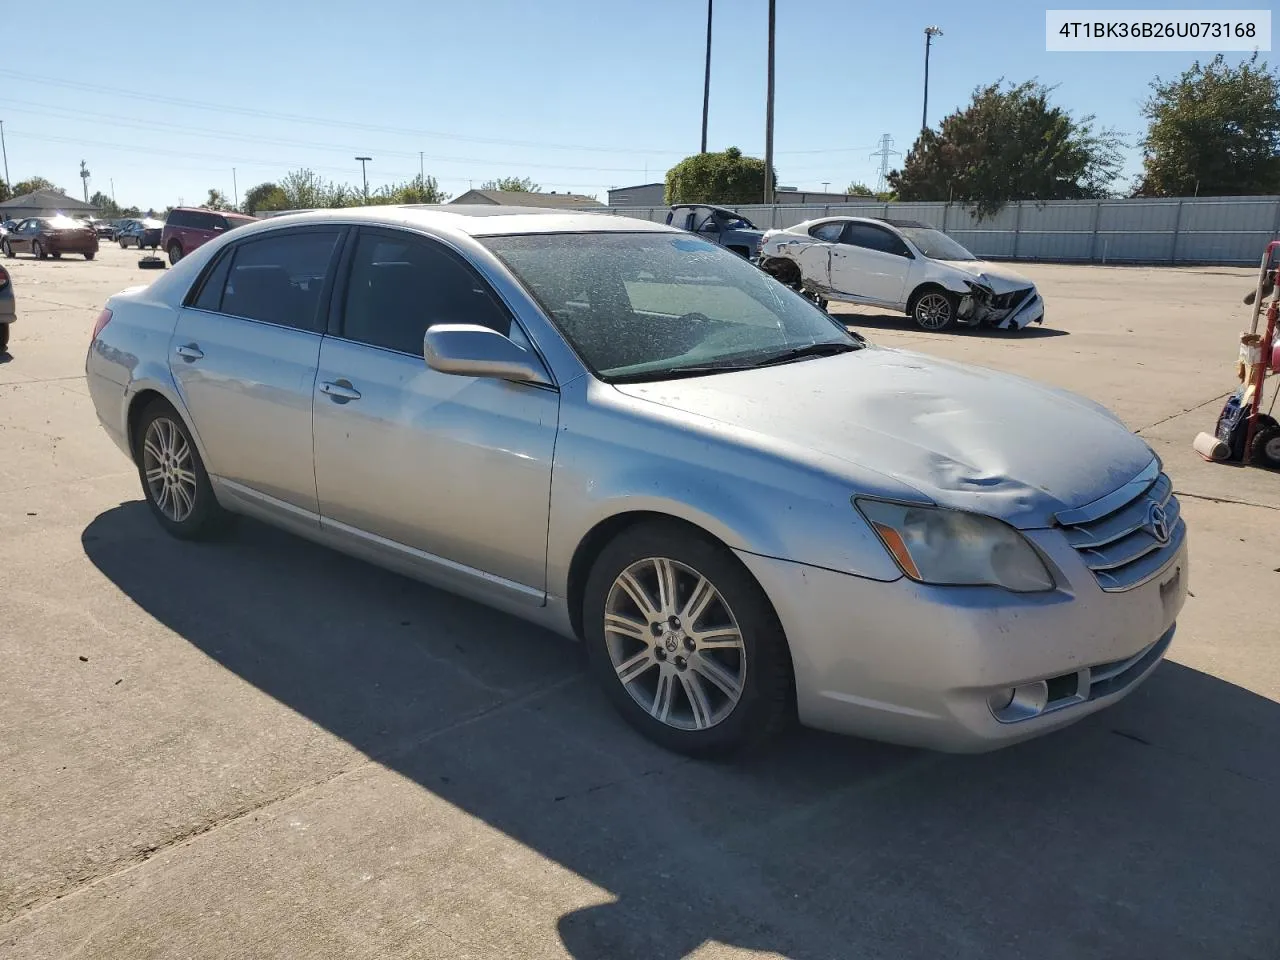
(477, 220)
(707, 206)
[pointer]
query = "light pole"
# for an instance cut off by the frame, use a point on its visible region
(929, 33)
(6, 156)
(364, 176)
(235, 188)
(768, 112)
(706, 81)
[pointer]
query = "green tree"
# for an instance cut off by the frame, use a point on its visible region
(418, 190)
(512, 185)
(858, 189)
(1213, 130)
(32, 184)
(305, 189)
(1010, 143)
(217, 200)
(105, 205)
(5, 192)
(132, 212)
(265, 196)
(726, 177)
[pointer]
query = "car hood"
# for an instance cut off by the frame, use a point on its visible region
(965, 437)
(995, 275)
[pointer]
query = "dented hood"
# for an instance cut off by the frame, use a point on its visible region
(995, 275)
(964, 436)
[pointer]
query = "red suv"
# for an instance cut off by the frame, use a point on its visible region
(187, 228)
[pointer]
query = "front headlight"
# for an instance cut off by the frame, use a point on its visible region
(938, 546)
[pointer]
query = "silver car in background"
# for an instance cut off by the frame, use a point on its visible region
(630, 435)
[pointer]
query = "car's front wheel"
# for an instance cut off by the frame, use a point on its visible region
(4, 338)
(685, 642)
(173, 477)
(8, 250)
(935, 310)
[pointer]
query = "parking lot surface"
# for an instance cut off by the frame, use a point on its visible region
(258, 748)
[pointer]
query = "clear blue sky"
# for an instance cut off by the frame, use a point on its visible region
(580, 95)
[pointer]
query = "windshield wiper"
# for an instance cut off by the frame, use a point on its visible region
(673, 373)
(828, 348)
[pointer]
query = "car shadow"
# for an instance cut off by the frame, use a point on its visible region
(872, 320)
(1148, 830)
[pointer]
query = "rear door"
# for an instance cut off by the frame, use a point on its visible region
(871, 263)
(244, 357)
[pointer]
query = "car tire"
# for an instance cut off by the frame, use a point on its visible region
(175, 253)
(90, 256)
(1265, 451)
(714, 684)
(8, 250)
(37, 250)
(174, 481)
(56, 254)
(935, 309)
(4, 338)
(123, 245)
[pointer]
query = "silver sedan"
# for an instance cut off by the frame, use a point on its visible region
(627, 434)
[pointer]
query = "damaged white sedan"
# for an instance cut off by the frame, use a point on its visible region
(903, 265)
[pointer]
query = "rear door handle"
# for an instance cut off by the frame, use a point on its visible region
(339, 391)
(189, 352)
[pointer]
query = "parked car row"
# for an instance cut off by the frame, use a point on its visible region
(626, 433)
(44, 237)
(184, 230)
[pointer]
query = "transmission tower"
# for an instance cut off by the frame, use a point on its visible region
(884, 153)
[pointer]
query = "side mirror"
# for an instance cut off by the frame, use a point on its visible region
(469, 350)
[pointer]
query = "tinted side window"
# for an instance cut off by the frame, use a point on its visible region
(400, 286)
(279, 279)
(829, 232)
(874, 238)
(178, 218)
(210, 295)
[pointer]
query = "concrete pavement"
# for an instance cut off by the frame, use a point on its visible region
(259, 748)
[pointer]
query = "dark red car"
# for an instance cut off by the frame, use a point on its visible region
(51, 237)
(187, 228)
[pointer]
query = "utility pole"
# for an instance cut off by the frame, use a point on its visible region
(235, 188)
(84, 180)
(929, 33)
(112, 181)
(884, 153)
(706, 81)
(422, 170)
(364, 176)
(5, 151)
(768, 112)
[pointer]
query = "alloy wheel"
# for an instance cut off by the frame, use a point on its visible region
(933, 311)
(675, 645)
(169, 470)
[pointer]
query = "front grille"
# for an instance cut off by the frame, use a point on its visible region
(1007, 301)
(1117, 536)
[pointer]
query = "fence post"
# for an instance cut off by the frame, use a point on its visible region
(944, 216)
(1093, 241)
(1017, 229)
(1177, 225)
(773, 217)
(826, 210)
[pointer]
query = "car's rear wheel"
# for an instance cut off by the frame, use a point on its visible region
(684, 641)
(174, 480)
(935, 310)
(1265, 451)
(37, 250)
(90, 255)
(175, 253)
(56, 254)
(4, 338)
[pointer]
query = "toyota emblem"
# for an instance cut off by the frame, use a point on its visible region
(1158, 523)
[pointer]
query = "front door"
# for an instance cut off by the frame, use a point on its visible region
(870, 263)
(457, 469)
(23, 234)
(244, 356)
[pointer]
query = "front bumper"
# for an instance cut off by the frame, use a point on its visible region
(918, 665)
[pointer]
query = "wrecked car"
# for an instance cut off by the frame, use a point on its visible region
(732, 231)
(903, 265)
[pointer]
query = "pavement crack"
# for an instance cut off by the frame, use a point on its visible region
(186, 838)
(1211, 499)
(1174, 416)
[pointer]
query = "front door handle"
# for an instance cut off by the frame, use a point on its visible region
(339, 391)
(189, 352)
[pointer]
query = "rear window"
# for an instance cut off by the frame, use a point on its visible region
(64, 223)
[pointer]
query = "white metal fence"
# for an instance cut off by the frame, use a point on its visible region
(1218, 230)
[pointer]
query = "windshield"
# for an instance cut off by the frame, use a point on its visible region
(646, 306)
(935, 244)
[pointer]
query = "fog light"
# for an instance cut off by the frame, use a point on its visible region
(1027, 700)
